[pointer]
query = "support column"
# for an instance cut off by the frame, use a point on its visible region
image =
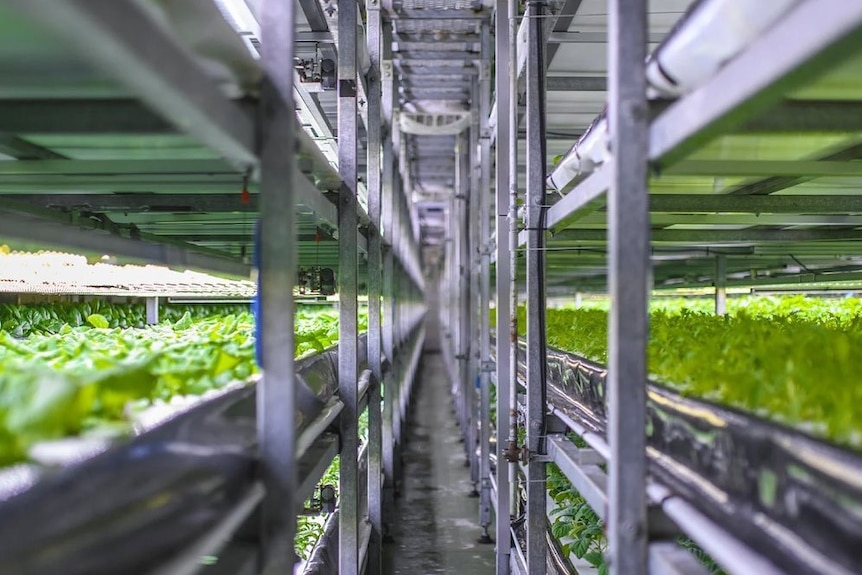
(348, 503)
(485, 287)
(473, 306)
(505, 11)
(152, 310)
(628, 274)
(720, 284)
(462, 248)
(536, 350)
(375, 487)
(387, 196)
(276, 393)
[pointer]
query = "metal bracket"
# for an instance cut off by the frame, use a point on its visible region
(488, 366)
(537, 457)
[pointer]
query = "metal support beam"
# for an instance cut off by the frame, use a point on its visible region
(749, 235)
(720, 284)
(375, 277)
(484, 192)
(790, 204)
(142, 202)
(82, 116)
(124, 40)
(21, 149)
(388, 258)
(562, 22)
(577, 84)
(152, 310)
(348, 519)
(473, 222)
(53, 232)
(504, 62)
(629, 276)
(536, 349)
(276, 397)
(462, 281)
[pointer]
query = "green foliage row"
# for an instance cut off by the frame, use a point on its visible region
(782, 360)
(790, 359)
(64, 380)
(48, 318)
(309, 528)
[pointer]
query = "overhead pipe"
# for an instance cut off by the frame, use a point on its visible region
(711, 33)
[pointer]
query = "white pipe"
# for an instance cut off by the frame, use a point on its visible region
(715, 32)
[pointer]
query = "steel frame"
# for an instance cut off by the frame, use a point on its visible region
(260, 139)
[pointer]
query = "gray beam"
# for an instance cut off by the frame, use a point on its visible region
(587, 196)
(629, 273)
(276, 397)
(722, 236)
(317, 21)
(116, 167)
(763, 168)
(348, 373)
(789, 204)
(814, 36)
(485, 193)
(375, 290)
(442, 55)
(55, 233)
(143, 202)
(121, 38)
(432, 14)
(578, 37)
(80, 116)
(505, 58)
(21, 149)
(577, 84)
(807, 116)
(536, 348)
(562, 22)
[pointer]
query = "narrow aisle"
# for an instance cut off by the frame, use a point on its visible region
(436, 521)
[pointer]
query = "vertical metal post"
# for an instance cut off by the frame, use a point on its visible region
(720, 284)
(276, 394)
(514, 128)
(375, 508)
(502, 287)
(485, 286)
(348, 518)
(463, 296)
(629, 267)
(152, 310)
(474, 304)
(388, 193)
(536, 352)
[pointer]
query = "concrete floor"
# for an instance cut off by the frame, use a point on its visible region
(435, 525)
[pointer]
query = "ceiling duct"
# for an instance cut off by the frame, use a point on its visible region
(446, 124)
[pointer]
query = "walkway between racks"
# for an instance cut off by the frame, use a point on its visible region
(435, 524)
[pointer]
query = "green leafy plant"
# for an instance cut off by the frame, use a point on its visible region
(574, 523)
(779, 359)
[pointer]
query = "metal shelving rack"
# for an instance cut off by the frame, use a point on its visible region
(127, 73)
(137, 128)
(620, 249)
